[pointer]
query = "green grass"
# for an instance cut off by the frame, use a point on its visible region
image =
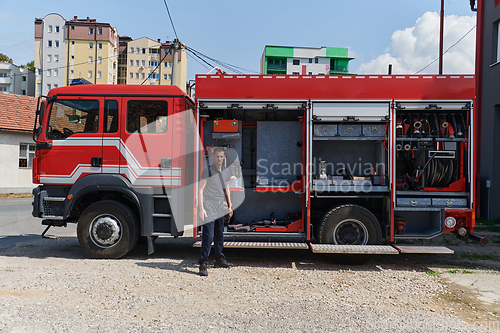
(457, 270)
(432, 273)
(485, 225)
(476, 256)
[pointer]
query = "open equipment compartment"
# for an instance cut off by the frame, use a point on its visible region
(433, 164)
(350, 146)
(268, 143)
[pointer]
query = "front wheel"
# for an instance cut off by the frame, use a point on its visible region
(350, 225)
(107, 230)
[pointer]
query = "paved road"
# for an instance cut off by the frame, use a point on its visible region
(18, 226)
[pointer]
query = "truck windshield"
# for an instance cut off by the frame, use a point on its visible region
(68, 117)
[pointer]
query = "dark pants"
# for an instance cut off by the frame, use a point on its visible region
(213, 230)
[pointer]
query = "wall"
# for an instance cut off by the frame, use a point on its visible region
(490, 112)
(14, 179)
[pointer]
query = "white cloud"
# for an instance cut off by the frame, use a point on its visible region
(414, 48)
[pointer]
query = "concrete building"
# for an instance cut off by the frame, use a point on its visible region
(488, 105)
(305, 61)
(17, 117)
(78, 48)
(16, 80)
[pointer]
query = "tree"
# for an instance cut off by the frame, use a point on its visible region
(4, 58)
(30, 65)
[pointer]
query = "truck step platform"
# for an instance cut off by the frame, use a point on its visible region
(403, 248)
(261, 245)
(353, 249)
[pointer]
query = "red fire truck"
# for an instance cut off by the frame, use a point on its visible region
(350, 166)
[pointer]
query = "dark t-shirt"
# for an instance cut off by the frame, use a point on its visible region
(213, 189)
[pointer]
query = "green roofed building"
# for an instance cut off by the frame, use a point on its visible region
(305, 61)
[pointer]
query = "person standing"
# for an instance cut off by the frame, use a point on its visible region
(213, 192)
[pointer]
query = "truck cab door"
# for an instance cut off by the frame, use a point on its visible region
(74, 130)
(146, 146)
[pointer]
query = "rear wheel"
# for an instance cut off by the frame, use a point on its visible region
(107, 230)
(349, 225)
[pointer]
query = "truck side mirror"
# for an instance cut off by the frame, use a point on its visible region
(40, 112)
(38, 131)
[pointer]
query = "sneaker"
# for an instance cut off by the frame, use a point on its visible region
(222, 263)
(203, 269)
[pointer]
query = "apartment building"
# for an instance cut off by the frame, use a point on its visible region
(305, 61)
(74, 49)
(150, 62)
(16, 80)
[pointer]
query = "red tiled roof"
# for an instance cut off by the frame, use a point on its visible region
(17, 112)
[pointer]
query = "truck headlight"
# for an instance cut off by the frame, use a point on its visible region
(450, 222)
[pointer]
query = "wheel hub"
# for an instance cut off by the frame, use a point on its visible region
(350, 232)
(105, 231)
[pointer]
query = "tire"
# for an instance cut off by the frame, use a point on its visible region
(107, 230)
(350, 225)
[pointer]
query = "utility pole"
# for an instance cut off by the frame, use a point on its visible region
(441, 32)
(176, 47)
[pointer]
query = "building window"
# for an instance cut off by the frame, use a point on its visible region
(56, 85)
(24, 78)
(98, 74)
(91, 31)
(90, 59)
(165, 64)
(99, 60)
(49, 43)
(295, 73)
(310, 60)
(4, 88)
(144, 63)
(296, 62)
(49, 72)
(316, 60)
(137, 63)
(170, 77)
(143, 51)
(131, 75)
(24, 91)
(99, 31)
(131, 50)
(167, 52)
(131, 63)
(26, 154)
(100, 46)
(57, 43)
(39, 72)
(90, 75)
(91, 45)
(49, 28)
(310, 73)
(38, 88)
(165, 76)
(72, 27)
(143, 76)
(136, 75)
(56, 72)
(57, 29)
(49, 87)
(49, 57)
(3, 74)
(72, 42)
(169, 64)
(137, 50)
(56, 58)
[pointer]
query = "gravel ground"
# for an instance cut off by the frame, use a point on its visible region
(51, 286)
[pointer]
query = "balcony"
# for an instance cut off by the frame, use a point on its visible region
(338, 69)
(154, 56)
(5, 80)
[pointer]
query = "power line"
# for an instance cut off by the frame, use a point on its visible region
(196, 55)
(447, 49)
(232, 68)
(172, 22)
(192, 57)
(29, 40)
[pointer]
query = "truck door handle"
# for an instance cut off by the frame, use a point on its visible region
(96, 161)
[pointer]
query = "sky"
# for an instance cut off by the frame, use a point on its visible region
(404, 33)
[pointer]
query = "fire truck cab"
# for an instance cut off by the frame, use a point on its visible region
(340, 165)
